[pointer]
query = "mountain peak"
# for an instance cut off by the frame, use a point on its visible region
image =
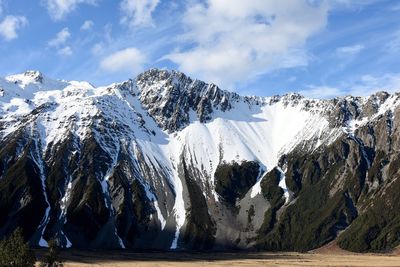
(172, 97)
(29, 76)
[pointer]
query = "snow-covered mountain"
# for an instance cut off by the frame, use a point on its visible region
(164, 161)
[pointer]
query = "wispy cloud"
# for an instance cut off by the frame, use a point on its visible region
(59, 9)
(393, 46)
(363, 86)
(65, 51)
(10, 25)
(97, 49)
(234, 40)
(61, 37)
(129, 60)
(350, 50)
(321, 92)
(353, 3)
(369, 84)
(59, 42)
(138, 12)
(87, 25)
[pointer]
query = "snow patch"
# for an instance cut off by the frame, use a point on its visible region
(256, 189)
(282, 184)
(179, 209)
(63, 206)
(37, 159)
(153, 199)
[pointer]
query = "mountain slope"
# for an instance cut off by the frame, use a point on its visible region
(167, 162)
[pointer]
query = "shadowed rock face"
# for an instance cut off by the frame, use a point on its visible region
(167, 162)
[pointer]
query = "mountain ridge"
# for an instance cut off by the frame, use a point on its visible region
(167, 162)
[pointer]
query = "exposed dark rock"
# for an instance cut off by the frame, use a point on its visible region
(232, 181)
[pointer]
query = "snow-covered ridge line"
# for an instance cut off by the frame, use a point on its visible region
(152, 126)
(27, 85)
(175, 101)
(181, 107)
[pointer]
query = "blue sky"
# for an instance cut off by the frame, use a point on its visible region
(320, 48)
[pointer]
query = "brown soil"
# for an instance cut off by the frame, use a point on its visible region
(332, 248)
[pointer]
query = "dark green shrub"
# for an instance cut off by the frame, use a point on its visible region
(51, 259)
(14, 252)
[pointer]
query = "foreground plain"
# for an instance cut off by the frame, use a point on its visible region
(138, 259)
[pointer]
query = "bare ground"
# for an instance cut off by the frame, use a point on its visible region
(329, 255)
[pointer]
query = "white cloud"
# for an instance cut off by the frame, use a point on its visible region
(369, 84)
(322, 92)
(59, 42)
(65, 51)
(129, 60)
(233, 40)
(10, 25)
(350, 50)
(87, 25)
(58, 9)
(364, 86)
(138, 12)
(60, 38)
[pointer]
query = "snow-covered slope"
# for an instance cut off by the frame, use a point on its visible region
(151, 144)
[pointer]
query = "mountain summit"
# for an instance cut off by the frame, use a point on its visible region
(168, 162)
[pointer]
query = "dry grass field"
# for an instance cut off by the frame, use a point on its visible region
(329, 255)
(280, 259)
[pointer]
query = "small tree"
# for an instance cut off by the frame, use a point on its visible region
(14, 252)
(51, 258)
